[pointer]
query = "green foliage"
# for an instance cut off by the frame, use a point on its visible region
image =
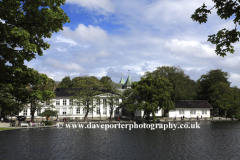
(48, 113)
(184, 88)
(48, 123)
(221, 97)
(26, 24)
(206, 81)
(33, 94)
(224, 37)
(65, 83)
(154, 93)
(85, 90)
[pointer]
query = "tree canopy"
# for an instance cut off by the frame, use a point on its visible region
(85, 89)
(183, 86)
(206, 81)
(34, 93)
(155, 93)
(65, 83)
(23, 25)
(224, 38)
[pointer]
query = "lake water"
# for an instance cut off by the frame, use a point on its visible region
(214, 140)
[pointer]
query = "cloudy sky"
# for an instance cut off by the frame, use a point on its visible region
(110, 37)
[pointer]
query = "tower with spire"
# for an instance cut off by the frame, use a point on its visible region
(128, 82)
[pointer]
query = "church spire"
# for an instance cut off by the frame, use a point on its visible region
(128, 82)
(121, 81)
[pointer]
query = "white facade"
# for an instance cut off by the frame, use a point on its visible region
(68, 109)
(189, 112)
(141, 113)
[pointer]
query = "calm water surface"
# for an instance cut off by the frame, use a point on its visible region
(214, 140)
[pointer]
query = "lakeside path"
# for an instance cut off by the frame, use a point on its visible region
(6, 126)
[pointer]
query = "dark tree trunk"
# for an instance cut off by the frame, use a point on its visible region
(111, 114)
(85, 118)
(32, 110)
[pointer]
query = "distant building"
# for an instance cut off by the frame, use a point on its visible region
(191, 109)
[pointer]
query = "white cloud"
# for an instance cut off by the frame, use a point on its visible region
(73, 67)
(85, 34)
(103, 54)
(234, 78)
(101, 6)
(189, 48)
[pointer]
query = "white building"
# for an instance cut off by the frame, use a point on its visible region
(67, 108)
(190, 109)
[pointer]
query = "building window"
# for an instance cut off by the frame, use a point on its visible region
(78, 103)
(117, 111)
(57, 102)
(98, 110)
(25, 112)
(47, 103)
(84, 111)
(117, 101)
(78, 111)
(58, 111)
(64, 102)
(104, 110)
(181, 111)
(38, 111)
(64, 111)
(204, 112)
(70, 102)
(90, 102)
(98, 102)
(193, 112)
(104, 102)
(90, 112)
(71, 111)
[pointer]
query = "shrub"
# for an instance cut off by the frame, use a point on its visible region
(48, 123)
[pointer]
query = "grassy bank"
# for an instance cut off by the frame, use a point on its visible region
(2, 129)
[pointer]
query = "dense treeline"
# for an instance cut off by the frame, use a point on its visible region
(213, 87)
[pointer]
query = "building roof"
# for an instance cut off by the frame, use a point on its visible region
(122, 81)
(128, 81)
(64, 92)
(192, 104)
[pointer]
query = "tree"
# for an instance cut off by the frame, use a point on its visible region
(85, 90)
(131, 101)
(48, 113)
(65, 83)
(183, 86)
(155, 93)
(206, 81)
(224, 38)
(33, 94)
(235, 109)
(221, 97)
(26, 23)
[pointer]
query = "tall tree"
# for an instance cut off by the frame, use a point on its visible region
(206, 81)
(224, 38)
(33, 94)
(85, 90)
(221, 97)
(65, 83)
(235, 109)
(23, 25)
(183, 86)
(131, 101)
(155, 93)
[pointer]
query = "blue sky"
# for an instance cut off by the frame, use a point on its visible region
(110, 37)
